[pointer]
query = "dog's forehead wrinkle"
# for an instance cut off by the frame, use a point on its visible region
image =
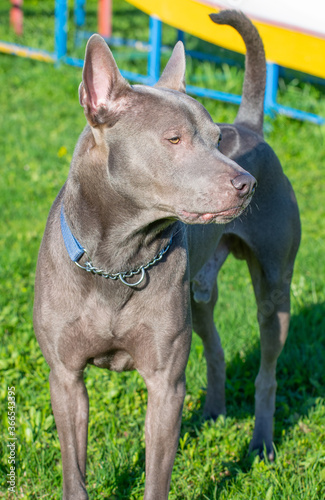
(165, 111)
(176, 99)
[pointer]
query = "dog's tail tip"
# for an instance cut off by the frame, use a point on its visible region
(226, 16)
(216, 18)
(232, 17)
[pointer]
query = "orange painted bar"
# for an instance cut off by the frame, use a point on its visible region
(105, 17)
(16, 16)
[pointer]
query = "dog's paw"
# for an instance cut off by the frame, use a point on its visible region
(214, 413)
(265, 451)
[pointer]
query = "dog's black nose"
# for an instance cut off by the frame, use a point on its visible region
(245, 184)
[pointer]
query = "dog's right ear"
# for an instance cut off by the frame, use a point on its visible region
(103, 91)
(173, 76)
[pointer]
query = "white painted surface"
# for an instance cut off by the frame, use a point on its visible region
(297, 15)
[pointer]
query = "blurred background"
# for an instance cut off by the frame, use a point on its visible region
(41, 120)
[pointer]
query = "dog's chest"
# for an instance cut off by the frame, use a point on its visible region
(97, 340)
(107, 336)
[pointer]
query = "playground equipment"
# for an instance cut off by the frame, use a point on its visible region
(293, 38)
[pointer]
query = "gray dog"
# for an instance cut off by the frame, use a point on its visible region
(145, 181)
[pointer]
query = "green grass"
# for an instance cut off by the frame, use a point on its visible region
(41, 121)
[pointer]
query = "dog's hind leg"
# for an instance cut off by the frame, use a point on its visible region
(204, 298)
(70, 407)
(204, 281)
(272, 291)
(203, 325)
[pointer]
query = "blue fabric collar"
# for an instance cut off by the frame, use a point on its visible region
(74, 249)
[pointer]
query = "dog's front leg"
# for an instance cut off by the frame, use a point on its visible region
(70, 407)
(163, 421)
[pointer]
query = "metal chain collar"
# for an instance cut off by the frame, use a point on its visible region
(90, 268)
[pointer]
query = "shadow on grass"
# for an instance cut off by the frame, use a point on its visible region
(301, 381)
(127, 479)
(300, 371)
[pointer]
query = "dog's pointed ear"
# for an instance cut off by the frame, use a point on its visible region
(173, 76)
(103, 90)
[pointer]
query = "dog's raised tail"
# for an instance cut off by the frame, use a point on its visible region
(251, 109)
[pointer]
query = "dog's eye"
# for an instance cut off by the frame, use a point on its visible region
(219, 140)
(175, 140)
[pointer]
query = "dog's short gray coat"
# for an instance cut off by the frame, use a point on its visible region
(147, 167)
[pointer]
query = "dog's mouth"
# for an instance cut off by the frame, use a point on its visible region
(206, 218)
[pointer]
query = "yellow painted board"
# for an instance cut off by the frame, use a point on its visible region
(288, 48)
(10, 48)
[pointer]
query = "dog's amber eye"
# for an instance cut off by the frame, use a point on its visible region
(174, 140)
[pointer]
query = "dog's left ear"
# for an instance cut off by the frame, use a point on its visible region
(173, 76)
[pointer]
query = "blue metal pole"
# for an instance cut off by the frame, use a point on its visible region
(79, 20)
(181, 36)
(155, 47)
(79, 12)
(61, 28)
(272, 107)
(213, 94)
(297, 114)
(272, 76)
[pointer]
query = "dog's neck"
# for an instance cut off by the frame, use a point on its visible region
(118, 238)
